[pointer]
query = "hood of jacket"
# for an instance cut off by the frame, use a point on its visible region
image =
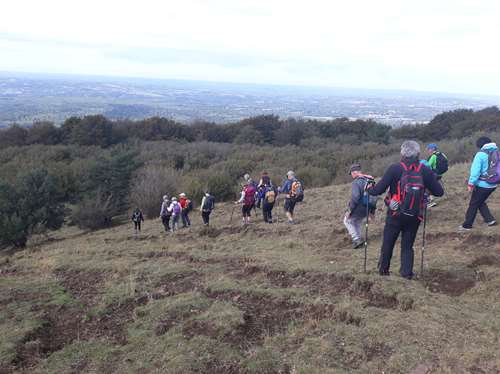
(489, 147)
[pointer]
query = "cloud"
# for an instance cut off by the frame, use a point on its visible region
(426, 45)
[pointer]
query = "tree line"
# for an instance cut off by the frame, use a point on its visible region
(261, 130)
(89, 171)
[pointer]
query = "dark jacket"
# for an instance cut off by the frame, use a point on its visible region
(393, 175)
(137, 216)
(356, 207)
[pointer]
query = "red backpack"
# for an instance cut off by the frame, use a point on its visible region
(249, 191)
(410, 191)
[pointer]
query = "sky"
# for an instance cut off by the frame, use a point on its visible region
(425, 45)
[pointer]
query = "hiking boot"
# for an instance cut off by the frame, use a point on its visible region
(464, 229)
(384, 273)
(358, 243)
(432, 204)
(291, 222)
(492, 223)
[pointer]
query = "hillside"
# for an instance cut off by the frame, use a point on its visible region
(257, 299)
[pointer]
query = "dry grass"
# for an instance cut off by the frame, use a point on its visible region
(261, 299)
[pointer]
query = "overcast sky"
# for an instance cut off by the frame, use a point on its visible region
(430, 45)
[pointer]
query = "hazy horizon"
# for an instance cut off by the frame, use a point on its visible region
(324, 88)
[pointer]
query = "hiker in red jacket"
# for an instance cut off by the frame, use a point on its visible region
(247, 199)
(186, 206)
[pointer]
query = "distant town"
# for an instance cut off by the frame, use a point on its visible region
(25, 98)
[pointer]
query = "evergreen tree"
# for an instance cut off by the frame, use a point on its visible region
(32, 205)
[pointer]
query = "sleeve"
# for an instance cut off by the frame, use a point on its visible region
(475, 169)
(202, 203)
(431, 182)
(432, 163)
(242, 197)
(162, 211)
(284, 187)
(384, 183)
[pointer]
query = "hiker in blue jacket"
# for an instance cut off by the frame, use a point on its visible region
(479, 188)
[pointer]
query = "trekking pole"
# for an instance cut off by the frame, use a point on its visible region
(366, 230)
(423, 242)
(277, 211)
(232, 212)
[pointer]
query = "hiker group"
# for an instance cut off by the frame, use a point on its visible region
(264, 195)
(175, 209)
(412, 186)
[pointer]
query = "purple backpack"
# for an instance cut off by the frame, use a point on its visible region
(177, 209)
(492, 175)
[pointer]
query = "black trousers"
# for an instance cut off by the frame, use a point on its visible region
(408, 227)
(267, 211)
(205, 215)
(166, 222)
(137, 225)
(185, 218)
(478, 202)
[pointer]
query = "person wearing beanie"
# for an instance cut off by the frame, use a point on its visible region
(356, 210)
(479, 188)
(438, 163)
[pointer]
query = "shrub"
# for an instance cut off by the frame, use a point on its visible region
(222, 186)
(32, 205)
(314, 176)
(94, 213)
(150, 184)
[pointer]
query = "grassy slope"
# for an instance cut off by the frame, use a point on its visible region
(258, 299)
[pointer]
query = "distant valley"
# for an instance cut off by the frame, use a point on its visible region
(25, 98)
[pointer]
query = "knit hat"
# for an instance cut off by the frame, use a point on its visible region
(432, 146)
(354, 167)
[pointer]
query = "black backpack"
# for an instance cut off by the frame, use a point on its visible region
(189, 206)
(209, 204)
(411, 191)
(441, 163)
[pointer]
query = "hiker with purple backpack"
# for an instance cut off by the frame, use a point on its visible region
(484, 178)
(176, 210)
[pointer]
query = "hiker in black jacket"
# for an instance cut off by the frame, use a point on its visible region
(404, 214)
(137, 218)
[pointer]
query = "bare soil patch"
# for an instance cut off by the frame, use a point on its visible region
(83, 285)
(61, 326)
(177, 283)
(448, 283)
(263, 315)
(318, 283)
(488, 260)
